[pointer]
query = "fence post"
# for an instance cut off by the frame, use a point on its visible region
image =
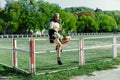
(81, 51)
(1, 36)
(14, 53)
(32, 56)
(114, 47)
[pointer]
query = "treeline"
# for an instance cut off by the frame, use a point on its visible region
(89, 20)
(29, 16)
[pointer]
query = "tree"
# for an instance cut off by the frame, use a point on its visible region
(1, 25)
(35, 15)
(10, 17)
(87, 24)
(3, 21)
(68, 21)
(27, 16)
(106, 23)
(116, 16)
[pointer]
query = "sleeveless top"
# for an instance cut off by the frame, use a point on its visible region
(55, 26)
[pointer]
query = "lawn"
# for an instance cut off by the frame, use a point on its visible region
(47, 62)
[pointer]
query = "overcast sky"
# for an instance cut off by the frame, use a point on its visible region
(2, 3)
(101, 4)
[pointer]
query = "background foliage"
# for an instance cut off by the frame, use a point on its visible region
(29, 16)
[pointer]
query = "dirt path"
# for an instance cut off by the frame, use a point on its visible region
(112, 74)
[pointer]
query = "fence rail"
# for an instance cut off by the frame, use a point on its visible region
(21, 36)
(43, 35)
(85, 44)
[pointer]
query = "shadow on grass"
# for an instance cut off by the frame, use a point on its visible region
(63, 75)
(8, 73)
(93, 60)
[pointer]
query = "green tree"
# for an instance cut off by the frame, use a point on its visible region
(87, 24)
(35, 15)
(117, 19)
(10, 17)
(106, 23)
(27, 16)
(1, 25)
(3, 18)
(68, 21)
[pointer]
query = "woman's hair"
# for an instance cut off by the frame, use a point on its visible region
(56, 14)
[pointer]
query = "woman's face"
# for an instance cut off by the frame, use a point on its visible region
(56, 17)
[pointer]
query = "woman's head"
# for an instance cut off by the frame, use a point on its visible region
(56, 17)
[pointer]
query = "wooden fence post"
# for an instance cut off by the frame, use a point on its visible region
(114, 47)
(14, 53)
(81, 51)
(32, 56)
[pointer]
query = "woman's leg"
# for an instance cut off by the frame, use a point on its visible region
(59, 45)
(65, 40)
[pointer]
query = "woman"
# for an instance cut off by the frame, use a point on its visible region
(55, 37)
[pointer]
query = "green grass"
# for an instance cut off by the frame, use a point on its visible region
(47, 62)
(95, 59)
(63, 75)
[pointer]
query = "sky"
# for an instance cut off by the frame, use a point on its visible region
(101, 4)
(2, 3)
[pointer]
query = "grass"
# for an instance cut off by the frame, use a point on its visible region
(47, 62)
(63, 75)
(95, 59)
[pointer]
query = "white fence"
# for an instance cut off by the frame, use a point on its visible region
(114, 46)
(84, 44)
(43, 35)
(21, 36)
